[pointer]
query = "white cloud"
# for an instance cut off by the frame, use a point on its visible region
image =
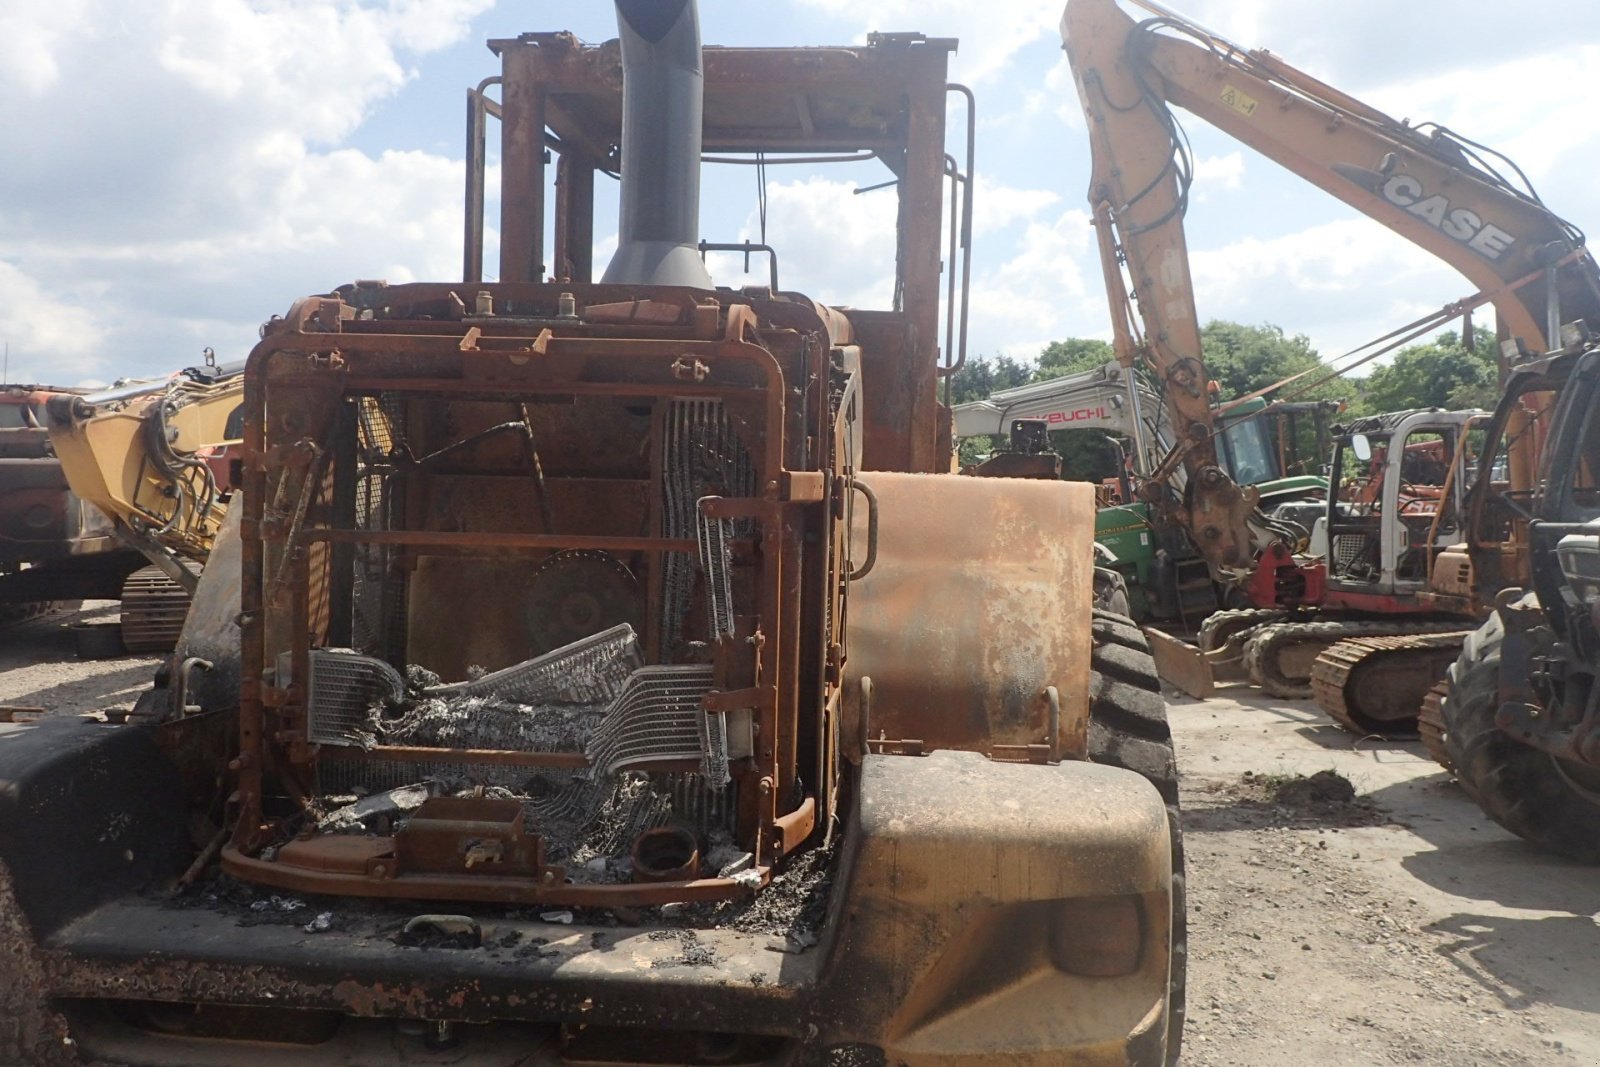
(30, 31)
(49, 341)
(1540, 139)
(1048, 289)
(1341, 283)
(1218, 172)
(998, 207)
(834, 245)
(192, 178)
(991, 33)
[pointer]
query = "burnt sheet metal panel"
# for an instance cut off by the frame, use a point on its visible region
(979, 599)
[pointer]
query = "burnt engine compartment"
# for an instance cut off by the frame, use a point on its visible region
(527, 602)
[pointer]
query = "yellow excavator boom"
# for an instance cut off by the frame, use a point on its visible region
(152, 456)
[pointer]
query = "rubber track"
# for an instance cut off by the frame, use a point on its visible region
(153, 610)
(1430, 725)
(1261, 652)
(1221, 627)
(1128, 729)
(1342, 661)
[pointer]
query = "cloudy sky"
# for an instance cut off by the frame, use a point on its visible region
(176, 171)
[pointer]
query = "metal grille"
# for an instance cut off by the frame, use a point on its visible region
(341, 692)
(1347, 549)
(591, 671)
(658, 719)
(378, 591)
(702, 456)
(336, 777)
(717, 562)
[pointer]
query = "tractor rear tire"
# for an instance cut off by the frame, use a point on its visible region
(1128, 728)
(1111, 591)
(1521, 788)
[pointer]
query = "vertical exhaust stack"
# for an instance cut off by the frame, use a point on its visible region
(663, 94)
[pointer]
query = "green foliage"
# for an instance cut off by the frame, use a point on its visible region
(983, 376)
(1071, 356)
(1441, 373)
(1242, 359)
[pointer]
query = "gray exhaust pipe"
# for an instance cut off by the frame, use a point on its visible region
(663, 93)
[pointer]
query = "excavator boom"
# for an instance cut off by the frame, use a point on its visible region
(1464, 203)
(150, 455)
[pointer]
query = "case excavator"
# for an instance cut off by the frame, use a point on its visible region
(1455, 198)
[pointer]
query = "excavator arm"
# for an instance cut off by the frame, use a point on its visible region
(1465, 203)
(1138, 192)
(148, 456)
(1431, 186)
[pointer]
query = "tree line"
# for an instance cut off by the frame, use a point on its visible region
(1445, 372)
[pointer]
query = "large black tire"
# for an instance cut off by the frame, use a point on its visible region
(1111, 591)
(1521, 788)
(1128, 729)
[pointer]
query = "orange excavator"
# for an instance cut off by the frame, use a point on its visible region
(1461, 201)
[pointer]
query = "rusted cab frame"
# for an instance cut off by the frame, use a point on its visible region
(745, 355)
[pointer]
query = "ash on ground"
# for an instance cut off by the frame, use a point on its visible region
(794, 905)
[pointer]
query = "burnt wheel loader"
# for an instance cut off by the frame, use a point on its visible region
(616, 677)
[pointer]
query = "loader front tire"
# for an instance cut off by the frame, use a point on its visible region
(1128, 729)
(1529, 792)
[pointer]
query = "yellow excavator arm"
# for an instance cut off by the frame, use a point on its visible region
(152, 456)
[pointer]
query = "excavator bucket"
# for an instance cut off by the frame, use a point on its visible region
(1180, 664)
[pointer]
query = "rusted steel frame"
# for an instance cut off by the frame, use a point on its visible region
(522, 126)
(495, 756)
(461, 542)
(538, 990)
(504, 388)
(348, 345)
(479, 106)
(481, 887)
(786, 715)
(743, 72)
(963, 183)
(921, 199)
(775, 711)
(251, 578)
(574, 239)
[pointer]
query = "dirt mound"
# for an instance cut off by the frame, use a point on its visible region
(1320, 790)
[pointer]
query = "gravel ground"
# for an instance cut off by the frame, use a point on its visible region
(1399, 926)
(1390, 923)
(39, 666)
